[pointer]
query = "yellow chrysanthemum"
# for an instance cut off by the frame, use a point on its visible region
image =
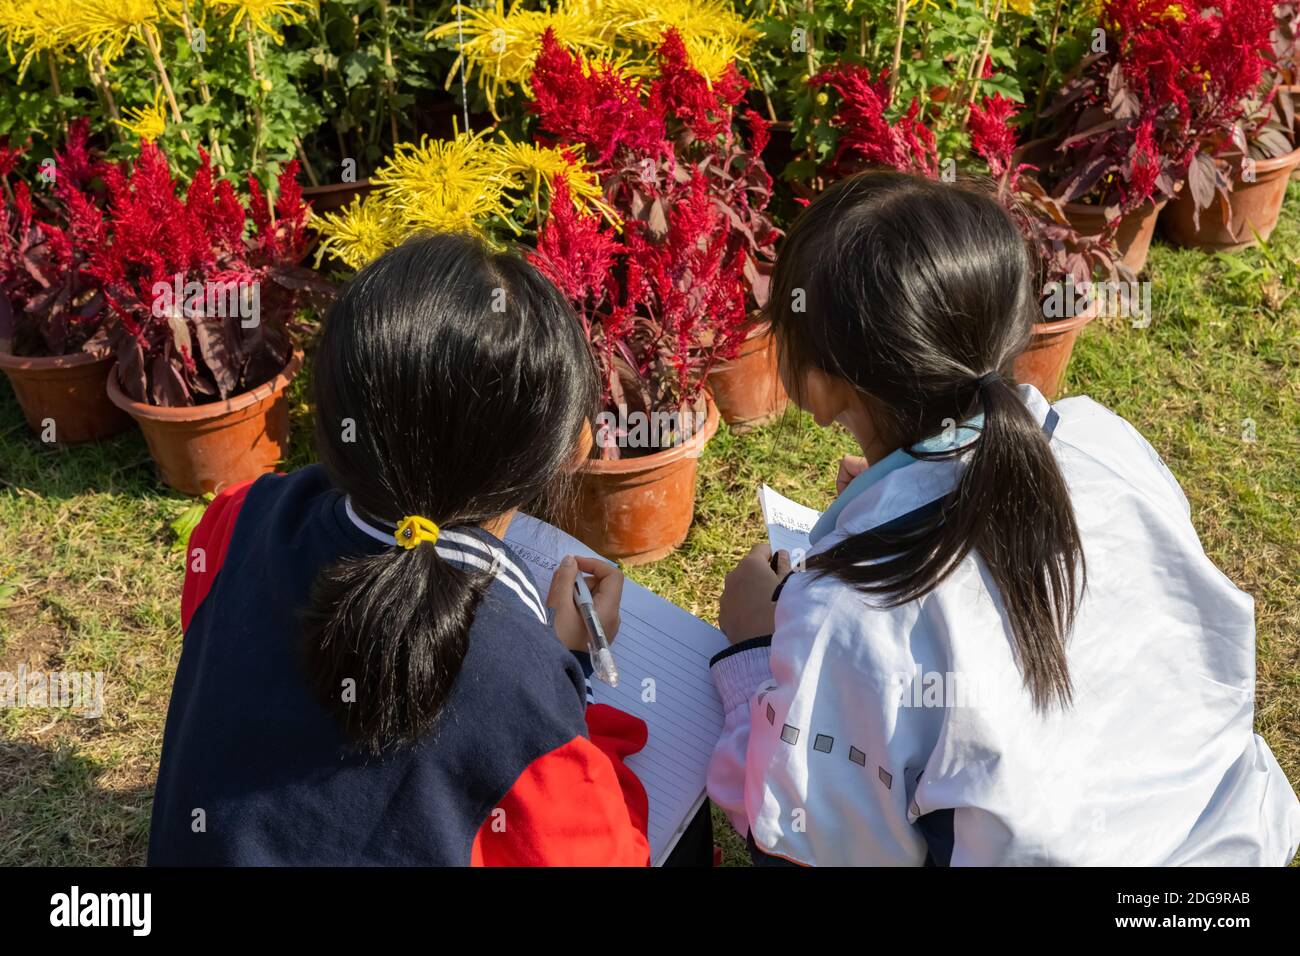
(361, 232)
(446, 183)
(1023, 7)
(530, 167)
(459, 184)
(36, 27)
(108, 27)
(148, 122)
(262, 14)
(500, 45)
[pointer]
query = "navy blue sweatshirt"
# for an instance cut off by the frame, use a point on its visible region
(518, 769)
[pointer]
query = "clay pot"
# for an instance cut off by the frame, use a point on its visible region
(637, 510)
(66, 390)
(1043, 363)
(335, 196)
(1254, 206)
(203, 448)
(1132, 237)
(748, 389)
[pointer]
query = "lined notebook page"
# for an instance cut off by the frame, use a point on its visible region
(788, 522)
(662, 654)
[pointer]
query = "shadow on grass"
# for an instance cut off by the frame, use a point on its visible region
(55, 810)
(118, 465)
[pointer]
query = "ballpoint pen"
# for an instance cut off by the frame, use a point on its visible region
(602, 658)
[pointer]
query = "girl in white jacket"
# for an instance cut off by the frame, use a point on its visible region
(1006, 644)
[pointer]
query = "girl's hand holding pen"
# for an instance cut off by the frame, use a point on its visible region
(606, 583)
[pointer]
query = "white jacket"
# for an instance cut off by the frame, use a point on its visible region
(896, 736)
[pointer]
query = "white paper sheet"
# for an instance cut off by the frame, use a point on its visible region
(788, 522)
(663, 655)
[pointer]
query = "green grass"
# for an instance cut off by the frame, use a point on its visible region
(89, 578)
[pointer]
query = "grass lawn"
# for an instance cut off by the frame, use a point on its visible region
(90, 572)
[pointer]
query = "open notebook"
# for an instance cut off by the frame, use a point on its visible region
(788, 522)
(663, 654)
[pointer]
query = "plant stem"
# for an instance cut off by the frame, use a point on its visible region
(155, 49)
(54, 73)
(977, 67)
(54, 83)
(811, 42)
(205, 94)
(259, 124)
(388, 62)
(95, 68)
(306, 163)
(900, 25)
(1047, 66)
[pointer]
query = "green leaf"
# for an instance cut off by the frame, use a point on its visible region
(187, 521)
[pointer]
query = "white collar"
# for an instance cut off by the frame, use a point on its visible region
(469, 550)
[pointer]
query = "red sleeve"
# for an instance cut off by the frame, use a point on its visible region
(207, 548)
(578, 805)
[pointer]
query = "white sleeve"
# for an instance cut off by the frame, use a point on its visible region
(739, 673)
(819, 762)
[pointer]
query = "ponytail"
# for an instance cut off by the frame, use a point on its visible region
(432, 400)
(931, 285)
(386, 635)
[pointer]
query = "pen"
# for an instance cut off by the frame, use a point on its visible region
(602, 658)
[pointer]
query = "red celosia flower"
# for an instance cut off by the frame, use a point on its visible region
(760, 132)
(577, 252)
(56, 307)
(1173, 81)
(991, 132)
(9, 156)
(683, 92)
(867, 137)
(196, 349)
(1146, 160)
(577, 101)
(671, 299)
(74, 165)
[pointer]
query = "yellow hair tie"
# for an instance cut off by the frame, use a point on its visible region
(414, 530)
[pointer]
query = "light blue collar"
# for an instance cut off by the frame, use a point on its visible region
(946, 440)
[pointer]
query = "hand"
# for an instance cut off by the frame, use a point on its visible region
(746, 609)
(606, 583)
(850, 467)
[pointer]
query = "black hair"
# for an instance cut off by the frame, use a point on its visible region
(920, 294)
(451, 382)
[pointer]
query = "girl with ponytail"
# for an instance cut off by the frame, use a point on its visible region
(1005, 644)
(369, 675)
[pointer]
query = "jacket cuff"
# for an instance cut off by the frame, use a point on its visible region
(584, 661)
(740, 670)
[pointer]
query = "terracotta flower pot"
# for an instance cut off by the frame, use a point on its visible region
(748, 388)
(637, 510)
(67, 391)
(1254, 206)
(1043, 363)
(202, 448)
(334, 196)
(1132, 238)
